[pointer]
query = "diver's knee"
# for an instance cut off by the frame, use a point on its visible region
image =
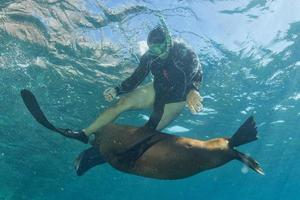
(123, 104)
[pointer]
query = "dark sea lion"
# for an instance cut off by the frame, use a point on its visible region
(168, 156)
(154, 154)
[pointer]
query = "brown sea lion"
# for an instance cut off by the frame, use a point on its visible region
(154, 154)
(164, 156)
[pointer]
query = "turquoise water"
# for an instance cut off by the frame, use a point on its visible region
(68, 52)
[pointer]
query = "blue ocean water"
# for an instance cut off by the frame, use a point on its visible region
(67, 52)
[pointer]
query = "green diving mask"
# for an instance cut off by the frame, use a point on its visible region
(158, 49)
(156, 46)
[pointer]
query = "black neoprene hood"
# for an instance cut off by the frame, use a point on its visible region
(156, 36)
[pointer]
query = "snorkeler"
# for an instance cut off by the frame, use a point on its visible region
(177, 77)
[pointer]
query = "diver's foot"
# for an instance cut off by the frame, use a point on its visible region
(88, 159)
(77, 135)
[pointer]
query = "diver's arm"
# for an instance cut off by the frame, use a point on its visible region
(193, 98)
(193, 71)
(136, 78)
(193, 74)
(196, 81)
(156, 115)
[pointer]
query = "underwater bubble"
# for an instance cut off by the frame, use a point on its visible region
(145, 117)
(277, 122)
(245, 169)
(295, 97)
(177, 129)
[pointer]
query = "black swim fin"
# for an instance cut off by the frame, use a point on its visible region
(34, 108)
(87, 160)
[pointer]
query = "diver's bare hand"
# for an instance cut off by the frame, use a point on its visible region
(194, 101)
(110, 94)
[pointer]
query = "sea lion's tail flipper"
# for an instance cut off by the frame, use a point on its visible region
(245, 134)
(250, 162)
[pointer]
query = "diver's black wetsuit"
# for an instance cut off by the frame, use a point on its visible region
(174, 77)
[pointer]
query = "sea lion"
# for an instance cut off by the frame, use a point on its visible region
(150, 153)
(165, 156)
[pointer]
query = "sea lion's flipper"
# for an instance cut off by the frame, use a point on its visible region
(250, 162)
(245, 134)
(133, 153)
(87, 160)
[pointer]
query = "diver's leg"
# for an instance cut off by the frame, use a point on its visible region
(141, 97)
(88, 159)
(133, 153)
(162, 115)
(171, 111)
